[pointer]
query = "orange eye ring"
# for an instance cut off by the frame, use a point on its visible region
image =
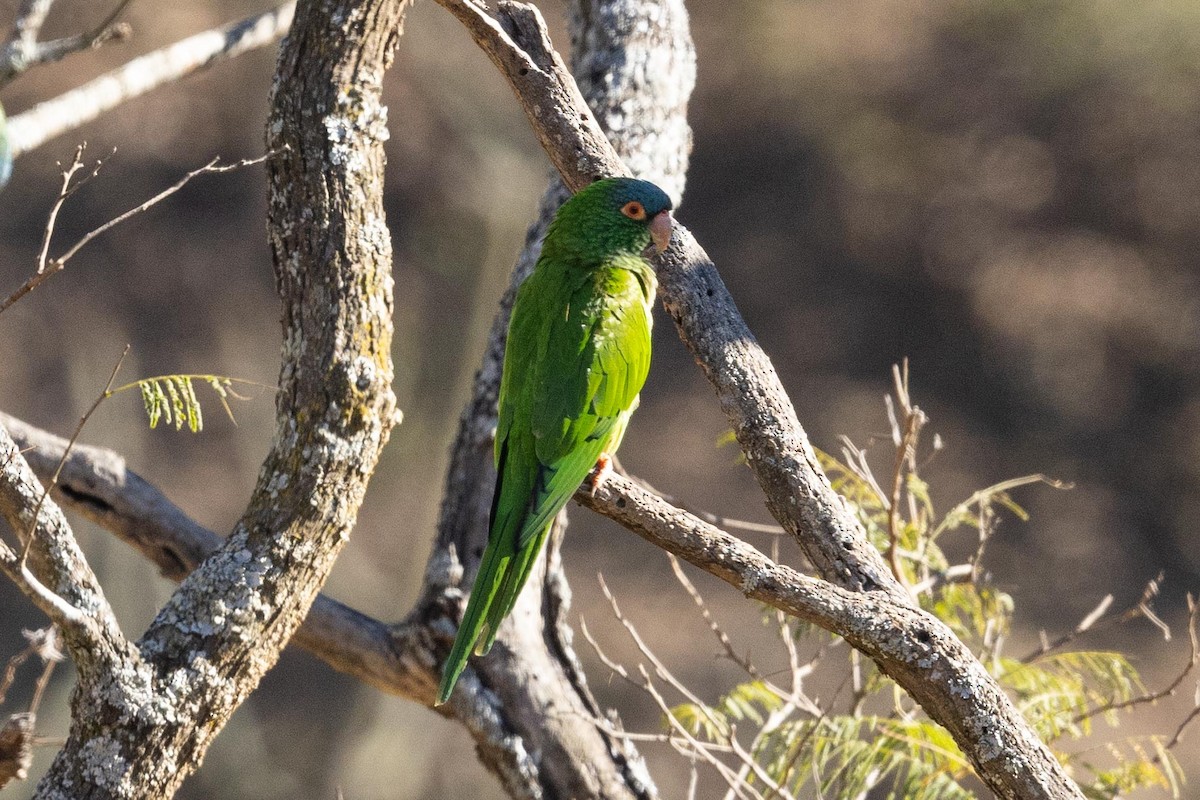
(634, 210)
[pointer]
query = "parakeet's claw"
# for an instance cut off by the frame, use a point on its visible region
(604, 468)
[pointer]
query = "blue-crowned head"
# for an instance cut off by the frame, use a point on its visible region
(614, 215)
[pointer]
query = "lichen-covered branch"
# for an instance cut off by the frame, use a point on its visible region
(96, 483)
(148, 727)
(55, 576)
(33, 128)
(909, 644)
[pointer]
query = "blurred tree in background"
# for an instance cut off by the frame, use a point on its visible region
(1004, 193)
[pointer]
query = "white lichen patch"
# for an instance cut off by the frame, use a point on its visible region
(358, 122)
(101, 764)
(240, 607)
(374, 236)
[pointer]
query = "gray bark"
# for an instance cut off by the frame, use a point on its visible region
(142, 723)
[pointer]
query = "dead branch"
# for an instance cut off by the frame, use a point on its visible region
(47, 266)
(33, 128)
(23, 51)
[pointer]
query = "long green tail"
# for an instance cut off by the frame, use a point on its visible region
(501, 572)
(493, 571)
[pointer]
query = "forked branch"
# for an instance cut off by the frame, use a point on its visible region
(964, 698)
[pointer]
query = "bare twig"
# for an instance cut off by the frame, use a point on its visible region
(747, 760)
(210, 167)
(1096, 620)
(1178, 736)
(52, 118)
(23, 51)
(67, 452)
(958, 573)
(44, 642)
(1084, 626)
(1169, 689)
(713, 625)
(47, 267)
(69, 187)
(703, 749)
(906, 432)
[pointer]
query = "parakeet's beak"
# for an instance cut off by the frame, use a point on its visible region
(660, 230)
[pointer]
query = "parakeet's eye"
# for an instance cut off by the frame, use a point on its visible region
(633, 209)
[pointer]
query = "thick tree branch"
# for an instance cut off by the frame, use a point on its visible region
(56, 576)
(33, 128)
(95, 483)
(1008, 756)
(229, 620)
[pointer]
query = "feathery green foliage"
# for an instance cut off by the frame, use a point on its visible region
(903, 755)
(172, 398)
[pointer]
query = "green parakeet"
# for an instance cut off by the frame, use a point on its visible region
(5, 151)
(577, 355)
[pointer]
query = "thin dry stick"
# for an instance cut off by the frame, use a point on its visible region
(68, 188)
(905, 435)
(730, 777)
(703, 749)
(210, 167)
(10, 671)
(666, 675)
(37, 511)
(1195, 712)
(23, 51)
(800, 745)
(1150, 697)
(1096, 621)
(1086, 624)
(47, 267)
(40, 687)
(713, 626)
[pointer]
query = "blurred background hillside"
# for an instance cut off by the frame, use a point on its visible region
(1006, 193)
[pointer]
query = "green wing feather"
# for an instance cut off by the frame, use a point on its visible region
(577, 355)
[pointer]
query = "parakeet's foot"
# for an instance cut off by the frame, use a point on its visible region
(604, 468)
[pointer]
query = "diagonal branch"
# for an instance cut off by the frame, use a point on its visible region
(57, 576)
(33, 128)
(95, 483)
